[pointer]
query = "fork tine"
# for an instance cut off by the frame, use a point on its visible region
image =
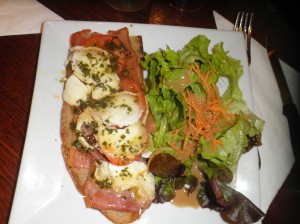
(245, 29)
(235, 28)
(241, 22)
(241, 25)
(250, 24)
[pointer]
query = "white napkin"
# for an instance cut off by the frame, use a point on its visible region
(23, 17)
(276, 153)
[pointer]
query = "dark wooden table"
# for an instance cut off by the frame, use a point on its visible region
(19, 57)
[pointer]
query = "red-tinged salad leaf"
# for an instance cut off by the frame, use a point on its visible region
(170, 177)
(164, 190)
(207, 198)
(238, 208)
(189, 182)
(216, 195)
(166, 165)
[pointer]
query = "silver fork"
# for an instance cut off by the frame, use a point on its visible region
(244, 24)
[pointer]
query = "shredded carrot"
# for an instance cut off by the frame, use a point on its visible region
(175, 133)
(205, 116)
(174, 146)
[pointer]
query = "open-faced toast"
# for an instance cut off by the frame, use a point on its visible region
(103, 123)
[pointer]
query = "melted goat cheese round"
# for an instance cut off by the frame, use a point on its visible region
(89, 64)
(134, 176)
(120, 109)
(91, 67)
(110, 83)
(75, 90)
(125, 143)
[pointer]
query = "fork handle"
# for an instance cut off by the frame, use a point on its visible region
(248, 48)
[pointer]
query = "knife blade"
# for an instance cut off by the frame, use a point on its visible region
(289, 108)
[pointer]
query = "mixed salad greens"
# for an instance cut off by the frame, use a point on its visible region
(197, 127)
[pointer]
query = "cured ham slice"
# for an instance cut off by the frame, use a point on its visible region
(107, 199)
(79, 159)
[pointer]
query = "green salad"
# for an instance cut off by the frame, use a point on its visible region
(197, 127)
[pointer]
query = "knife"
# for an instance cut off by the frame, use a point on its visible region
(289, 109)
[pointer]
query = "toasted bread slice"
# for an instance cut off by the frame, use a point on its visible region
(68, 136)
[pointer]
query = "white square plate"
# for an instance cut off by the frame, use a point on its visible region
(45, 192)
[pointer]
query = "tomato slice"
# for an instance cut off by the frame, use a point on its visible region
(118, 161)
(118, 63)
(107, 42)
(79, 36)
(130, 85)
(133, 70)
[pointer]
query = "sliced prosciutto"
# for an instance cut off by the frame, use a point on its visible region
(78, 159)
(107, 199)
